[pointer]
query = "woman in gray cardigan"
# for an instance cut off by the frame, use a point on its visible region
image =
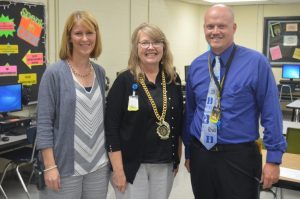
(70, 131)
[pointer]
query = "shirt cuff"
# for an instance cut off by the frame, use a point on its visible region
(274, 157)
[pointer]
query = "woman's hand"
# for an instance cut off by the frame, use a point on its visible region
(118, 175)
(119, 180)
(52, 179)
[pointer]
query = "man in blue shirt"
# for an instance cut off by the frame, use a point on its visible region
(230, 167)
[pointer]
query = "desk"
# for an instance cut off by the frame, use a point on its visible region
(291, 161)
(296, 93)
(13, 143)
(295, 105)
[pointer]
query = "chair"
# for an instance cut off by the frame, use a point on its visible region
(3, 192)
(293, 140)
(285, 91)
(21, 157)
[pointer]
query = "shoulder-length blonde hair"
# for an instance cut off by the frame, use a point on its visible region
(84, 17)
(156, 34)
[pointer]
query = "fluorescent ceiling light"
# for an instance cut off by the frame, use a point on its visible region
(232, 1)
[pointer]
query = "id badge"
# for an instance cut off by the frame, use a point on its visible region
(215, 115)
(133, 103)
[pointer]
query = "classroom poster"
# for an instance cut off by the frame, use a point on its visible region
(22, 44)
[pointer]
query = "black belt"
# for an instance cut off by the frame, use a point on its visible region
(226, 147)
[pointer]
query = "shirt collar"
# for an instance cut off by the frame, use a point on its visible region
(158, 79)
(224, 56)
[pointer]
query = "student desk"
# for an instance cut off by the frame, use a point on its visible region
(295, 105)
(291, 161)
(13, 143)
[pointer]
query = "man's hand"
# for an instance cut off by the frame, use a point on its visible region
(270, 175)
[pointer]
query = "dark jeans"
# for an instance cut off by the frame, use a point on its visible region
(227, 172)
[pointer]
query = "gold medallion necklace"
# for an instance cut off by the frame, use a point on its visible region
(163, 129)
(78, 74)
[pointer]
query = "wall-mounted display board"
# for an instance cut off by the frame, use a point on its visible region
(22, 45)
(282, 40)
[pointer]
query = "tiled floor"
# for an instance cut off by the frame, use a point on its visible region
(181, 188)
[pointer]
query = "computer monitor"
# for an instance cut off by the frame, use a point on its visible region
(291, 71)
(10, 98)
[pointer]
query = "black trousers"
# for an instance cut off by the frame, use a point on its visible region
(226, 171)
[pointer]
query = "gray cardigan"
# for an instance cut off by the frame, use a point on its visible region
(56, 113)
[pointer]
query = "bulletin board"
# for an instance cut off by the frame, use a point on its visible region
(22, 45)
(282, 40)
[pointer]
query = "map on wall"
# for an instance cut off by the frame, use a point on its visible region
(22, 45)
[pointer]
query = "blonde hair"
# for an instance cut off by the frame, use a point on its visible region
(90, 22)
(156, 34)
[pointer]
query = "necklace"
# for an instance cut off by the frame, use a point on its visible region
(78, 74)
(163, 129)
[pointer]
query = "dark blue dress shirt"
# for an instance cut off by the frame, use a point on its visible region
(249, 94)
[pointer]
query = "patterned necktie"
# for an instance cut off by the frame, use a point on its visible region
(209, 130)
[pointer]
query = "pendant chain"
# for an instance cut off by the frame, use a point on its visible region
(152, 102)
(78, 74)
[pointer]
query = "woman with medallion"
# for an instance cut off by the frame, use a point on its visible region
(71, 107)
(143, 119)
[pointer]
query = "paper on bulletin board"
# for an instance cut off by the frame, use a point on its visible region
(28, 79)
(33, 59)
(291, 27)
(275, 29)
(7, 26)
(296, 54)
(9, 49)
(275, 53)
(290, 40)
(8, 70)
(30, 27)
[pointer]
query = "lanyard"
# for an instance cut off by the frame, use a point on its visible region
(227, 66)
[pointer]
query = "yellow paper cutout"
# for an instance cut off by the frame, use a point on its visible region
(9, 49)
(296, 54)
(28, 79)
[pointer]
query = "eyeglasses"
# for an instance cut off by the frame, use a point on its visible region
(155, 44)
(82, 34)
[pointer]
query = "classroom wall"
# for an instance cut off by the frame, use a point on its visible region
(182, 23)
(250, 21)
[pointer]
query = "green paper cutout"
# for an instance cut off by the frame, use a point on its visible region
(6, 33)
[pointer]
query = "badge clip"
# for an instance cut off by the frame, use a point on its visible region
(133, 101)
